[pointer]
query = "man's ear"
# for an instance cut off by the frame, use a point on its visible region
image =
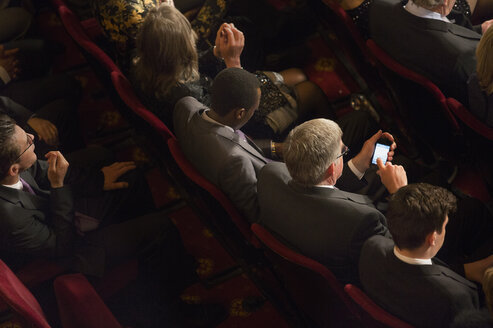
(240, 113)
(431, 239)
(330, 171)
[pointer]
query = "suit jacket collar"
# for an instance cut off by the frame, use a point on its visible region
(436, 269)
(206, 127)
(464, 30)
(330, 193)
(25, 199)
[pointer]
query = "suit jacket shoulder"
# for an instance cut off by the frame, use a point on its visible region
(328, 225)
(220, 155)
(423, 295)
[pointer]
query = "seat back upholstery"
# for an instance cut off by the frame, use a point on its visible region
(194, 175)
(76, 30)
(126, 92)
(20, 299)
(79, 304)
(371, 314)
(423, 87)
(312, 286)
(468, 118)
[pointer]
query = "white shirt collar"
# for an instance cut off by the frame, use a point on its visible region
(325, 186)
(415, 10)
(410, 260)
(209, 119)
(17, 185)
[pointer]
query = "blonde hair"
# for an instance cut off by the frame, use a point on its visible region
(484, 65)
(166, 51)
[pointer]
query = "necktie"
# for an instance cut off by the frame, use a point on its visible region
(26, 186)
(244, 137)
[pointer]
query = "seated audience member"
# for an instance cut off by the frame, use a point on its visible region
(167, 69)
(120, 21)
(420, 37)
(480, 84)
(53, 99)
(403, 275)
(45, 216)
(54, 126)
(300, 203)
(212, 141)
(358, 10)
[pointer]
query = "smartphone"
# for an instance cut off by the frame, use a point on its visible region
(381, 151)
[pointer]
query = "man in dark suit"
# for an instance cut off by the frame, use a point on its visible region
(45, 215)
(213, 142)
(405, 278)
(421, 37)
(299, 200)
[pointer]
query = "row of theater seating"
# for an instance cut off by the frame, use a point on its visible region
(318, 303)
(319, 300)
(457, 116)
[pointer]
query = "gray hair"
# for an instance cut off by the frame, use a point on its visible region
(310, 148)
(427, 3)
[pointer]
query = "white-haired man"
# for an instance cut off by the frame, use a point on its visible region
(299, 200)
(310, 202)
(420, 36)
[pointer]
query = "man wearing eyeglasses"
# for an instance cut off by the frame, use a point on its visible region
(320, 215)
(40, 219)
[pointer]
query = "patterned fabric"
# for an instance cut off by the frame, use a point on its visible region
(120, 20)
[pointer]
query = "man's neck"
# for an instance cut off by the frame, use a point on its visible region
(10, 180)
(418, 253)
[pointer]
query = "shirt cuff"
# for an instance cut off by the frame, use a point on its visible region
(356, 172)
(4, 75)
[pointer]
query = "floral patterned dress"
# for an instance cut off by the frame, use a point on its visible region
(120, 21)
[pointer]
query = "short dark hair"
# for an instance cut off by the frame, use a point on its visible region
(9, 150)
(417, 210)
(234, 88)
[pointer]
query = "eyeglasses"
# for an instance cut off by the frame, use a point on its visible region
(31, 142)
(344, 151)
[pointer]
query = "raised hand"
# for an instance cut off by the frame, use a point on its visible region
(229, 45)
(57, 168)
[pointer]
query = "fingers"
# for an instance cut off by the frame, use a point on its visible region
(117, 185)
(380, 165)
(11, 52)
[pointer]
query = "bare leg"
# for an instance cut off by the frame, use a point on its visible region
(312, 101)
(293, 76)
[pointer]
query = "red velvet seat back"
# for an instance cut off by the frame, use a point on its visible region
(193, 174)
(127, 94)
(372, 314)
(19, 298)
(419, 79)
(311, 285)
(76, 30)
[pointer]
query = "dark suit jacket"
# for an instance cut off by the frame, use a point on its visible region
(328, 225)
(422, 295)
(41, 225)
(36, 225)
(443, 52)
(219, 154)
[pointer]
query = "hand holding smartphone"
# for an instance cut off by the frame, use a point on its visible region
(382, 148)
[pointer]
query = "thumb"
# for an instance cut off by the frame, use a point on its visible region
(376, 136)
